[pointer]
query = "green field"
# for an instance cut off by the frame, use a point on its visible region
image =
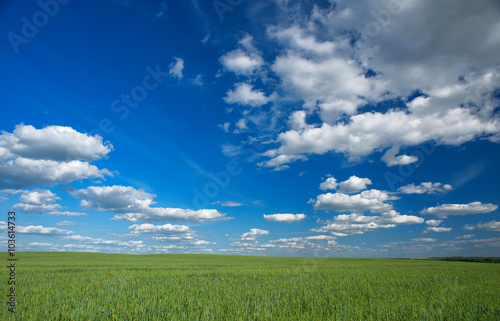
(88, 286)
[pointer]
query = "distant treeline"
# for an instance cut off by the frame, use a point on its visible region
(468, 259)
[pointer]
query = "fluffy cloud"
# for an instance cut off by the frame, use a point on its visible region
(162, 214)
(242, 62)
(391, 159)
(365, 133)
(37, 201)
(158, 229)
(135, 205)
(371, 200)
(433, 222)
(336, 82)
(23, 172)
(297, 38)
(278, 161)
(424, 239)
(298, 120)
(354, 184)
(175, 68)
(330, 183)
(56, 143)
(424, 188)
(301, 242)
(287, 245)
(224, 127)
(437, 229)
(490, 226)
(465, 237)
(253, 234)
(42, 244)
(168, 233)
(42, 201)
(241, 126)
(284, 218)
(114, 198)
(460, 209)
(359, 224)
(37, 230)
(48, 156)
(244, 94)
(358, 54)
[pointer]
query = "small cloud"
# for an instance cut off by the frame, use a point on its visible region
(284, 218)
(42, 244)
(231, 204)
(391, 159)
(197, 81)
(241, 126)
(354, 184)
(244, 94)
(490, 226)
(465, 237)
(41, 230)
(206, 38)
(460, 209)
(253, 234)
(424, 240)
(224, 127)
(433, 222)
(242, 62)
(437, 229)
(424, 188)
(330, 183)
(66, 223)
(176, 68)
(68, 213)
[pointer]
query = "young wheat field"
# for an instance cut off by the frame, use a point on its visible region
(91, 286)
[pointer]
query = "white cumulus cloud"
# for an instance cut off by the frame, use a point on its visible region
(354, 184)
(244, 94)
(135, 205)
(437, 229)
(176, 68)
(424, 188)
(359, 224)
(48, 156)
(369, 200)
(253, 234)
(489, 226)
(284, 218)
(242, 62)
(460, 209)
(333, 62)
(330, 183)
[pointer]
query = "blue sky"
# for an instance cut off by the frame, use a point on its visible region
(284, 128)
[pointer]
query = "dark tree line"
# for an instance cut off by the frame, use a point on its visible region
(468, 259)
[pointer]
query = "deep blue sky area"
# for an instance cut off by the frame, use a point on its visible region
(280, 128)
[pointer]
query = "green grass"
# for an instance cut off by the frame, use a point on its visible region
(88, 286)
